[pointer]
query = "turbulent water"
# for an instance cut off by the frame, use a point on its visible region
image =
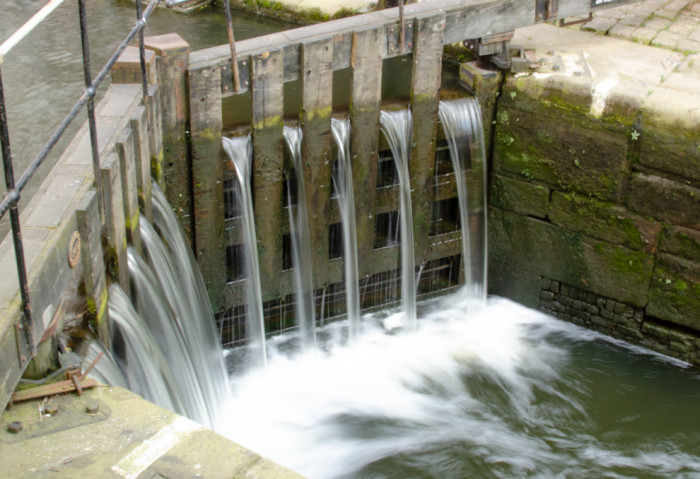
(507, 392)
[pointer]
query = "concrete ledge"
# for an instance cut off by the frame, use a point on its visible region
(126, 436)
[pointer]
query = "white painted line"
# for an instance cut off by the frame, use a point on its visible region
(138, 460)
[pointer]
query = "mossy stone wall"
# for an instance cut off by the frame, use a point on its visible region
(600, 204)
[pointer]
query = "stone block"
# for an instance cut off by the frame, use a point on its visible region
(680, 241)
(606, 221)
(688, 46)
(674, 291)
(519, 196)
(643, 35)
(539, 145)
(667, 39)
(623, 31)
(600, 24)
(665, 199)
(536, 248)
(670, 125)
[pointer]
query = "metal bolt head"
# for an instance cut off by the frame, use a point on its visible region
(14, 427)
(91, 406)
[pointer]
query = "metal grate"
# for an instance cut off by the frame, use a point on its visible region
(14, 189)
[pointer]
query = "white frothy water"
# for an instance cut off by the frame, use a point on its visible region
(506, 392)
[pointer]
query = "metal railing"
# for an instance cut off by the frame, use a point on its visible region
(14, 189)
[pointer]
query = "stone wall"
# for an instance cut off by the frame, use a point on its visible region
(595, 206)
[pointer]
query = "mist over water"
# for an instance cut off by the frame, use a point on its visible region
(506, 392)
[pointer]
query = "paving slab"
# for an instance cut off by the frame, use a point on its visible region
(111, 432)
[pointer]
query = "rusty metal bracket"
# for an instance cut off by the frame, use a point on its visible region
(546, 9)
(23, 351)
(564, 23)
(75, 381)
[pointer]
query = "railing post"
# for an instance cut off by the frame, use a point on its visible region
(90, 91)
(27, 322)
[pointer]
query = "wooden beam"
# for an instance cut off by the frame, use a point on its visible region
(425, 86)
(464, 20)
(267, 128)
(365, 104)
(317, 106)
(207, 179)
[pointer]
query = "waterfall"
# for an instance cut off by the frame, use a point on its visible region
(168, 349)
(240, 153)
(152, 305)
(146, 370)
(397, 127)
(461, 120)
(301, 243)
(342, 180)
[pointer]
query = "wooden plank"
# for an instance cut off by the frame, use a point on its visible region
(92, 259)
(317, 106)
(464, 20)
(139, 127)
(173, 56)
(127, 166)
(267, 125)
(425, 86)
(207, 179)
(365, 105)
(114, 218)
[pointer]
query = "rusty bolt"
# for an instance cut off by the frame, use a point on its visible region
(15, 427)
(91, 406)
(51, 408)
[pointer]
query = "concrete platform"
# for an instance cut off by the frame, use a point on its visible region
(111, 432)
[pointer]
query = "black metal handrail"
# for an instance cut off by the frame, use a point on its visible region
(13, 190)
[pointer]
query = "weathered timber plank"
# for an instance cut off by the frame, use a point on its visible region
(207, 179)
(463, 20)
(114, 217)
(172, 59)
(365, 104)
(267, 98)
(127, 165)
(425, 85)
(139, 126)
(92, 259)
(317, 99)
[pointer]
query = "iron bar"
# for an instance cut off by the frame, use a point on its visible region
(142, 49)
(13, 196)
(25, 29)
(232, 44)
(402, 35)
(87, 94)
(90, 103)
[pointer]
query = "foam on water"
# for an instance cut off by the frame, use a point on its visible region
(506, 392)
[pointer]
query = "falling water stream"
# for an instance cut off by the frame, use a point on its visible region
(240, 152)
(301, 243)
(461, 120)
(342, 179)
(397, 127)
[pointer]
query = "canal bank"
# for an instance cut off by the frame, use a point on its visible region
(569, 252)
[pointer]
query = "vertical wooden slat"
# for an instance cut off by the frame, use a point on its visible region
(114, 217)
(127, 165)
(267, 88)
(317, 106)
(365, 104)
(207, 178)
(139, 127)
(92, 259)
(425, 86)
(172, 59)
